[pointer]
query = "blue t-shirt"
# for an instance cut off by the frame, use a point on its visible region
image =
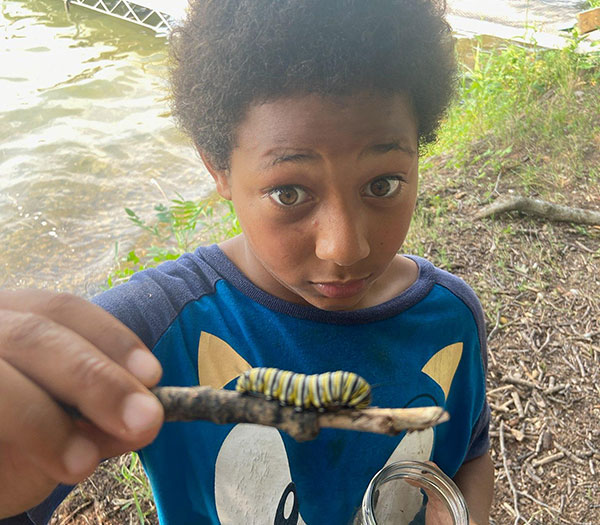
(207, 323)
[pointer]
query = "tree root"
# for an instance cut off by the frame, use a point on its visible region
(540, 208)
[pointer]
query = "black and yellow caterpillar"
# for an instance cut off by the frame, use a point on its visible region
(321, 391)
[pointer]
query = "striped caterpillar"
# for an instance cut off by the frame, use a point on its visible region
(320, 391)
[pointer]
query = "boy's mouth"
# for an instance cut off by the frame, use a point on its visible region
(341, 289)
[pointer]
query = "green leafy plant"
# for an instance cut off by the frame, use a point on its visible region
(178, 227)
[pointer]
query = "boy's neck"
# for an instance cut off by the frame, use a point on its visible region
(400, 275)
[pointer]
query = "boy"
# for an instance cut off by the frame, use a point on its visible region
(308, 114)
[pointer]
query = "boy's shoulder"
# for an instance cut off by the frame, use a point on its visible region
(178, 281)
(448, 280)
(152, 298)
(457, 287)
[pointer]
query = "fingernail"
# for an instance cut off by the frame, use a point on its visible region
(143, 365)
(81, 454)
(141, 412)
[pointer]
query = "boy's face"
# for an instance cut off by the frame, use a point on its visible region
(324, 189)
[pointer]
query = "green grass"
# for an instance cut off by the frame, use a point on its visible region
(518, 102)
(508, 89)
(132, 476)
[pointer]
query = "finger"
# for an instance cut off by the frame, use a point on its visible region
(91, 322)
(108, 445)
(41, 431)
(74, 371)
(26, 488)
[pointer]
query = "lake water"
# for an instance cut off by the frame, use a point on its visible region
(84, 130)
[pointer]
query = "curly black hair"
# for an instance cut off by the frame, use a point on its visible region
(229, 54)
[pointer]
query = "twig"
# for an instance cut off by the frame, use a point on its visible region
(548, 459)
(583, 247)
(545, 505)
(499, 389)
(555, 389)
(547, 210)
(517, 401)
(493, 331)
(535, 500)
(227, 406)
(545, 343)
(508, 477)
(541, 440)
(570, 455)
(581, 367)
(518, 381)
(70, 516)
(531, 473)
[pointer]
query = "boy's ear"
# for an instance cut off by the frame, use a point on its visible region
(220, 176)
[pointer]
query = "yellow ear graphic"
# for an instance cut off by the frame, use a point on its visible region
(442, 366)
(218, 363)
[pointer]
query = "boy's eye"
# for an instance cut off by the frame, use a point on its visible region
(383, 186)
(288, 195)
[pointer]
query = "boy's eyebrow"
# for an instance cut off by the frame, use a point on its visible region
(279, 156)
(392, 145)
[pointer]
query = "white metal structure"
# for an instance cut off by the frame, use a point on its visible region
(153, 14)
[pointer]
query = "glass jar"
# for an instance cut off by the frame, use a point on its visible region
(412, 493)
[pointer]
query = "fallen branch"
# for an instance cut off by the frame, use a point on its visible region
(570, 455)
(227, 406)
(508, 476)
(540, 208)
(548, 459)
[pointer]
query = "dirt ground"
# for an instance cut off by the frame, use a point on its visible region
(539, 283)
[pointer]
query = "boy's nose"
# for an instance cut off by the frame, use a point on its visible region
(342, 238)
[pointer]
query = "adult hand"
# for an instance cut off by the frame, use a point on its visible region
(57, 350)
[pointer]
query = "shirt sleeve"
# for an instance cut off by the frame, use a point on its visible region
(41, 514)
(480, 437)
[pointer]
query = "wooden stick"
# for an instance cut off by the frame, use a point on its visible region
(227, 406)
(547, 210)
(570, 455)
(508, 476)
(548, 459)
